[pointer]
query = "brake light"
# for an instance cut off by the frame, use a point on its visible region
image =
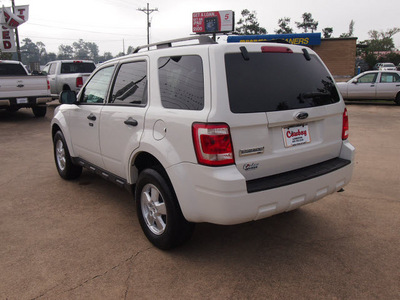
(345, 128)
(273, 49)
(48, 84)
(79, 82)
(212, 143)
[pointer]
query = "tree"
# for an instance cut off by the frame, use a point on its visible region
(308, 23)
(327, 32)
(248, 24)
(351, 30)
(65, 52)
(379, 47)
(284, 26)
(29, 52)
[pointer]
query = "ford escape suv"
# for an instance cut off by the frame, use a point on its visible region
(219, 133)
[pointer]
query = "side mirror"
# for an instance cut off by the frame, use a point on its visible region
(67, 97)
(355, 81)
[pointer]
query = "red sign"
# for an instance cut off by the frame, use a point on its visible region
(213, 21)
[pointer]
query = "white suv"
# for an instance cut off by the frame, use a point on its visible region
(219, 133)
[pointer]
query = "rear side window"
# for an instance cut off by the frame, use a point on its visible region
(181, 82)
(277, 81)
(77, 67)
(130, 86)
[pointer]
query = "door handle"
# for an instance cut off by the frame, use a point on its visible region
(131, 122)
(91, 117)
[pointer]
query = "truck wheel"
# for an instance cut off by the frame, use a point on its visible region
(158, 211)
(65, 167)
(39, 111)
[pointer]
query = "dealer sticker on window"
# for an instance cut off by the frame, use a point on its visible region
(296, 135)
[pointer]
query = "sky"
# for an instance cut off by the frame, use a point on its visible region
(116, 24)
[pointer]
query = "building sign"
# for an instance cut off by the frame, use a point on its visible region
(8, 22)
(304, 39)
(214, 21)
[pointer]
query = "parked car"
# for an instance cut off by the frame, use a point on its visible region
(18, 89)
(376, 85)
(217, 133)
(67, 74)
(387, 66)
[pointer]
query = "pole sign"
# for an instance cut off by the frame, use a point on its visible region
(305, 39)
(10, 21)
(213, 21)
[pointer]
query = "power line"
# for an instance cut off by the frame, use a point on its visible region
(148, 11)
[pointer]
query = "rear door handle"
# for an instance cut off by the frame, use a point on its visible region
(131, 122)
(91, 117)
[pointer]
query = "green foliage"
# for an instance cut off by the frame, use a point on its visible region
(379, 48)
(284, 26)
(308, 23)
(327, 32)
(248, 24)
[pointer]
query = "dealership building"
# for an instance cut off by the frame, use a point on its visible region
(339, 54)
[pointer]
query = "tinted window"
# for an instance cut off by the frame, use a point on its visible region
(277, 81)
(77, 67)
(181, 82)
(131, 84)
(12, 70)
(96, 89)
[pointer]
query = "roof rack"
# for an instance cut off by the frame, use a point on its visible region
(202, 40)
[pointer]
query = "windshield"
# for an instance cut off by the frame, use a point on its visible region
(277, 81)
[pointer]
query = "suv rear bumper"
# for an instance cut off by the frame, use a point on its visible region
(220, 195)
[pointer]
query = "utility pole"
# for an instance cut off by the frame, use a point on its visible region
(148, 11)
(16, 34)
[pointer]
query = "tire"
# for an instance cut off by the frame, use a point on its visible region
(397, 99)
(159, 212)
(65, 167)
(12, 109)
(39, 111)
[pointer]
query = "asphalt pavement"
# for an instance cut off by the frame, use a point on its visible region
(81, 240)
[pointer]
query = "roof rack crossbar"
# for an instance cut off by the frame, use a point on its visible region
(202, 40)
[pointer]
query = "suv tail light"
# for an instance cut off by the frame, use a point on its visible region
(213, 144)
(79, 82)
(345, 128)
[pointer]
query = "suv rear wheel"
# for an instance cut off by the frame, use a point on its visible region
(158, 211)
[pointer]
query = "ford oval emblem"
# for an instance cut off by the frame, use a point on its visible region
(301, 116)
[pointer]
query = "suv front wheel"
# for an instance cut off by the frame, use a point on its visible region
(65, 167)
(158, 211)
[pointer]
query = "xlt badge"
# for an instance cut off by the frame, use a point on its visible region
(251, 151)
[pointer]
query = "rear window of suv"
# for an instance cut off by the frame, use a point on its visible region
(277, 81)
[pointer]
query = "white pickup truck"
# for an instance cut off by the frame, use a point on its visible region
(67, 74)
(19, 89)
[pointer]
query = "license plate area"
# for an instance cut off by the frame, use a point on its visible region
(296, 135)
(22, 100)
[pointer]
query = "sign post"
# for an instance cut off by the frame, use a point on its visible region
(10, 19)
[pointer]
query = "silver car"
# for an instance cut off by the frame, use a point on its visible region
(377, 85)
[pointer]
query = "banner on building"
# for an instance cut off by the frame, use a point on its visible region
(10, 21)
(213, 21)
(305, 39)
